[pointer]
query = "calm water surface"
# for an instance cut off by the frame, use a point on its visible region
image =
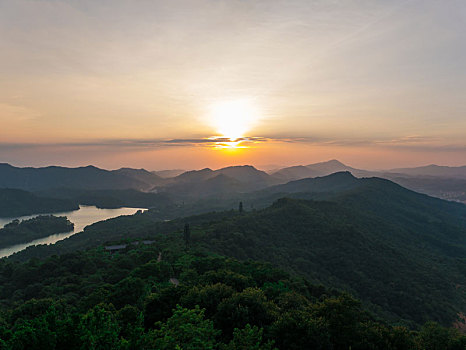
(86, 215)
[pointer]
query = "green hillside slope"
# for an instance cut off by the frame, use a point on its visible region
(161, 297)
(19, 203)
(401, 252)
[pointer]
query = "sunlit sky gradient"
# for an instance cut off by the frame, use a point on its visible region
(375, 84)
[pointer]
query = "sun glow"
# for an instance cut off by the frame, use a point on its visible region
(232, 119)
(230, 144)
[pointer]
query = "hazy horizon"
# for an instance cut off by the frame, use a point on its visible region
(263, 167)
(204, 83)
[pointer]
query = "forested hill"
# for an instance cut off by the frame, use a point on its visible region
(402, 253)
(385, 263)
(224, 181)
(162, 296)
(335, 182)
(438, 181)
(19, 203)
(89, 177)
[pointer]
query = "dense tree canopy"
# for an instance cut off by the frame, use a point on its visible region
(128, 300)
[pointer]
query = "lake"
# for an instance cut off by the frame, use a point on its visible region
(86, 215)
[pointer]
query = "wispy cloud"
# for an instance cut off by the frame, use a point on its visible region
(145, 143)
(410, 142)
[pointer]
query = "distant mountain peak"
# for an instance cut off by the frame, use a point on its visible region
(340, 174)
(205, 170)
(335, 161)
(433, 170)
(338, 181)
(332, 162)
(222, 178)
(195, 175)
(85, 177)
(239, 167)
(247, 174)
(132, 169)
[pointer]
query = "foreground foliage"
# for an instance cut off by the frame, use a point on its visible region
(96, 300)
(405, 261)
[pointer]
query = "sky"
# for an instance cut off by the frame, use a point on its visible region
(189, 84)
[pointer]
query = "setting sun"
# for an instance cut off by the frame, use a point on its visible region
(233, 118)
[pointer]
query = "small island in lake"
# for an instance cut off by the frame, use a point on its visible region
(17, 232)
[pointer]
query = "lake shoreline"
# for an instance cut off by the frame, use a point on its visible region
(24, 231)
(86, 215)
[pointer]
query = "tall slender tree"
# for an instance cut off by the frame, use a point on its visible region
(187, 235)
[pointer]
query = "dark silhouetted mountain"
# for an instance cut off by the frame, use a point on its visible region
(14, 202)
(247, 174)
(88, 177)
(218, 185)
(295, 173)
(445, 188)
(318, 169)
(166, 174)
(141, 175)
(243, 173)
(110, 198)
(195, 175)
(336, 182)
(329, 167)
(433, 170)
(208, 182)
(439, 181)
